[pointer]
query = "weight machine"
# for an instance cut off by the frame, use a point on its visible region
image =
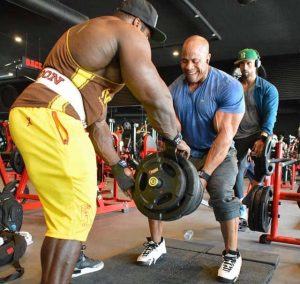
(265, 201)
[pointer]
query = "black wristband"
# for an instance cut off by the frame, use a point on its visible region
(125, 182)
(204, 175)
(122, 163)
(263, 138)
(177, 139)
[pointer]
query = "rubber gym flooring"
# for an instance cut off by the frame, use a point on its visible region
(185, 262)
(117, 238)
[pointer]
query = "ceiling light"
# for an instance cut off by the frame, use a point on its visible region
(18, 39)
(6, 75)
(175, 53)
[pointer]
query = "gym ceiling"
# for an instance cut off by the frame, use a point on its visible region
(271, 26)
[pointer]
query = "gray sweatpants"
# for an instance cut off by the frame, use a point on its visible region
(220, 187)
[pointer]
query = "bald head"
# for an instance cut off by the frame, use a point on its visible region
(195, 59)
(194, 43)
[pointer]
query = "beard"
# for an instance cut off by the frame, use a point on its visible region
(245, 74)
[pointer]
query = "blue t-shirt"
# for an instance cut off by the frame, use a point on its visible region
(196, 111)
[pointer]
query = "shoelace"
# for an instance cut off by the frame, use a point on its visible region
(149, 248)
(228, 263)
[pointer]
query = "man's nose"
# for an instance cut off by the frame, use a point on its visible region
(189, 65)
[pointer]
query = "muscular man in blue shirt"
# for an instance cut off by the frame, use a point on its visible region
(209, 105)
(261, 99)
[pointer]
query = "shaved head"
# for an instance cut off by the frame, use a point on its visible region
(196, 42)
(195, 59)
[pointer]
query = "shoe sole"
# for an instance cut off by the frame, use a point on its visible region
(225, 280)
(149, 263)
(88, 270)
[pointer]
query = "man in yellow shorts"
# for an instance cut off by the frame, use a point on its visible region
(58, 122)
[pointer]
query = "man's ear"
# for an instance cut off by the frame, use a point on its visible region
(208, 58)
(136, 22)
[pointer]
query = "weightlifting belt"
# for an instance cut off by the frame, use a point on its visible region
(63, 86)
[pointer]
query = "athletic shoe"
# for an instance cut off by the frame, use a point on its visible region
(243, 225)
(230, 268)
(86, 265)
(152, 252)
(243, 212)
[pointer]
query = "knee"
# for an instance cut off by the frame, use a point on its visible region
(226, 208)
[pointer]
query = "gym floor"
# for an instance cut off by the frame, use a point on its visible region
(116, 232)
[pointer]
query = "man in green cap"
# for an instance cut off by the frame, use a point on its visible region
(261, 99)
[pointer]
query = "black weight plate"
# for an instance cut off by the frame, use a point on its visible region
(187, 204)
(16, 161)
(251, 220)
(265, 210)
(266, 157)
(192, 186)
(257, 218)
(196, 199)
(160, 185)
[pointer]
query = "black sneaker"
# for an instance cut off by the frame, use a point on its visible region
(86, 265)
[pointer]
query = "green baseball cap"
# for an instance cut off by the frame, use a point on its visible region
(247, 54)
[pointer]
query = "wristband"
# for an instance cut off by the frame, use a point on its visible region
(125, 182)
(176, 140)
(204, 175)
(263, 138)
(122, 163)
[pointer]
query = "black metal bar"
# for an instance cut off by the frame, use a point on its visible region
(198, 14)
(52, 10)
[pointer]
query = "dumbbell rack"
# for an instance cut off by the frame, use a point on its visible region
(277, 196)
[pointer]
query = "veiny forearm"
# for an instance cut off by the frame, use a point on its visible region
(162, 116)
(217, 153)
(103, 142)
(226, 125)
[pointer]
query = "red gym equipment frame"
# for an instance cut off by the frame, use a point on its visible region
(104, 204)
(277, 196)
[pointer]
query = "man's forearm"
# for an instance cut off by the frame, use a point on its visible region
(103, 142)
(162, 118)
(216, 154)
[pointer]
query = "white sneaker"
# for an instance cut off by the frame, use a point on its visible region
(230, 268)
(152, 252)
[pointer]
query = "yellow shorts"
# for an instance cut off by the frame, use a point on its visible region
(61, 164)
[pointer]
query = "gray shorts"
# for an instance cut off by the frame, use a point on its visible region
(220, 187)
